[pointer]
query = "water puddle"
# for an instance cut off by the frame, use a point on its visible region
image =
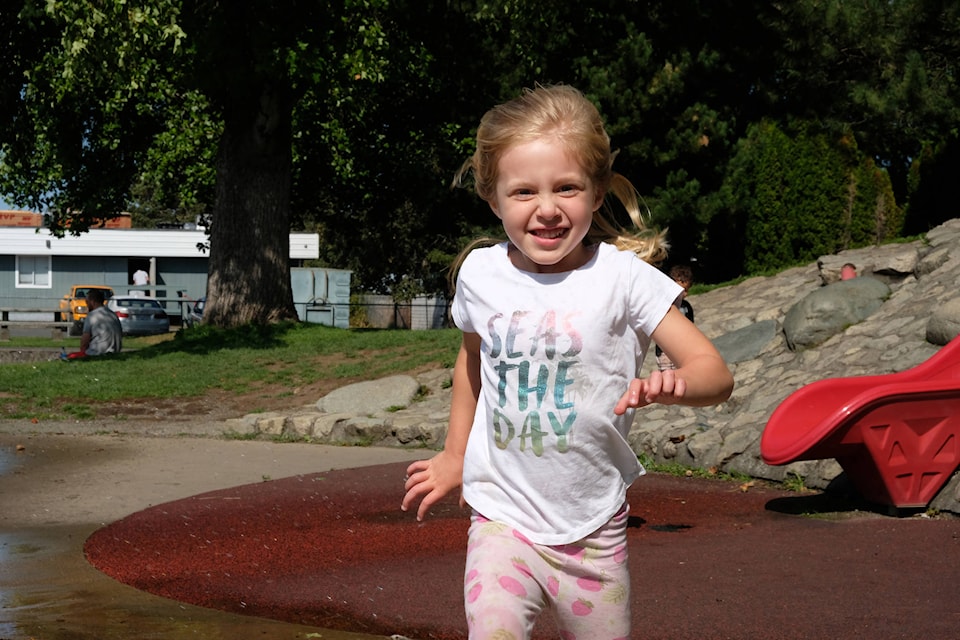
(8, 460)
(48, 591)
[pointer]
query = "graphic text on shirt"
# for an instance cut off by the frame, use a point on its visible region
(552, 347)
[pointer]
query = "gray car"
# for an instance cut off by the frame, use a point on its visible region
(140, 316)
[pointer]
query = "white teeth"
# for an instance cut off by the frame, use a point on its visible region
(546, 233)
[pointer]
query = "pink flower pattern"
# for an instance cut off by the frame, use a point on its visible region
(593, 595)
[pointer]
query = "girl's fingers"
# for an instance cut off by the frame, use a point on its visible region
(418, 465)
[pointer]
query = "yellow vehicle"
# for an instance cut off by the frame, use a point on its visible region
(73, 306)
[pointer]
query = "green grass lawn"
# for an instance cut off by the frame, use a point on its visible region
(193, 361)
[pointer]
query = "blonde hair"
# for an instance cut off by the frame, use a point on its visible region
(564, 113)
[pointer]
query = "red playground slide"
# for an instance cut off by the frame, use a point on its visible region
(897, 436)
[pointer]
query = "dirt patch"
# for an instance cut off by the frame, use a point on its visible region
(29, 354)
(217, 405)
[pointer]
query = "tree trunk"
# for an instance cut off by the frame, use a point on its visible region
(249, 270)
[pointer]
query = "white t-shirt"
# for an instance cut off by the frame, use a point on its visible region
(546, 454)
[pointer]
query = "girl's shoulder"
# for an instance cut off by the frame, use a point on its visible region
(484, 256)
(625, 266)
(610, 255)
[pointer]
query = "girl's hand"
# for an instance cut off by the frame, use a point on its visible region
(665, 387)
(428, 481)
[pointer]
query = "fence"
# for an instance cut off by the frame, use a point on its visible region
(423, 312)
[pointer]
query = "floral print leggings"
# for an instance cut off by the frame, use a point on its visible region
(510, 580)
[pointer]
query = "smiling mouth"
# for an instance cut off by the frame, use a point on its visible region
(549, 234)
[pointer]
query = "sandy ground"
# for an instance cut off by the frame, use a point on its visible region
(57, 486)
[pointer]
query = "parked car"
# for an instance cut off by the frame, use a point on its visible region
(73, 306)
(140, 316)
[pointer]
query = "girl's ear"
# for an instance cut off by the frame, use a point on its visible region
(494, 208)
(599, 200)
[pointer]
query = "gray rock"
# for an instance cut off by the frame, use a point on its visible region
(829, 310)
(944, 324)
(372, 396)
(746, 343)
(889, 262)
(933, 260)
(896, 260)
(949, 497)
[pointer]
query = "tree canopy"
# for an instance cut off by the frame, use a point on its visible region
(349, 118)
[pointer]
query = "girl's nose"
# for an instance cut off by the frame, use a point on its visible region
(548, 207)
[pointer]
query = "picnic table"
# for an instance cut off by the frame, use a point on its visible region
(58, 328)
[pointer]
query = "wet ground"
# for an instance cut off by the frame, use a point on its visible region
(59, 489)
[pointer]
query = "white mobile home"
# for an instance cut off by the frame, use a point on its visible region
(37, 269)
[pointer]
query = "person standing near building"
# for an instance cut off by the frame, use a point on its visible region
(141, 278)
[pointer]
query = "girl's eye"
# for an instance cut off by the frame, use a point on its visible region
(568, 188)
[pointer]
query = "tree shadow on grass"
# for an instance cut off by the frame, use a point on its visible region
(206, 339)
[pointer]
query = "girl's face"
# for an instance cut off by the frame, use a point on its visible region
(546, 203)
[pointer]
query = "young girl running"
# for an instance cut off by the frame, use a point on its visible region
(555, 321)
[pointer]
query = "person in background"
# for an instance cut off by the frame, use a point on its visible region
(102, 332)
(556, 321)
(848, 271)
(140, 278)
(683, 275)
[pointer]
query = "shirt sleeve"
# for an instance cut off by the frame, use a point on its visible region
(465, 293)
(652, 293)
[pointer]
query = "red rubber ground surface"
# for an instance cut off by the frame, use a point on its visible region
(708, 560)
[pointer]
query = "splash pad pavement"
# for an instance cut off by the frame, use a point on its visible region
(709, 559)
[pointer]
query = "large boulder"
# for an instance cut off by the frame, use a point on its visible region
(892, 262)
(944, 323)
(365, 398)
(746, 343)
(829, 310)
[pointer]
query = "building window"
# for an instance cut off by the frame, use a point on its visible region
(33, 272)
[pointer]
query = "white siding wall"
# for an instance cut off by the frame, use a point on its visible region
(132, 243)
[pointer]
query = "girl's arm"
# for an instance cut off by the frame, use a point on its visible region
(428, 481)
(701, 378)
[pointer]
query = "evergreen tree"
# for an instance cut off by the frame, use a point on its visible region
(804, 193)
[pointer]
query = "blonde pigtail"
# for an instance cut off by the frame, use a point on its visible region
(649, 244)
